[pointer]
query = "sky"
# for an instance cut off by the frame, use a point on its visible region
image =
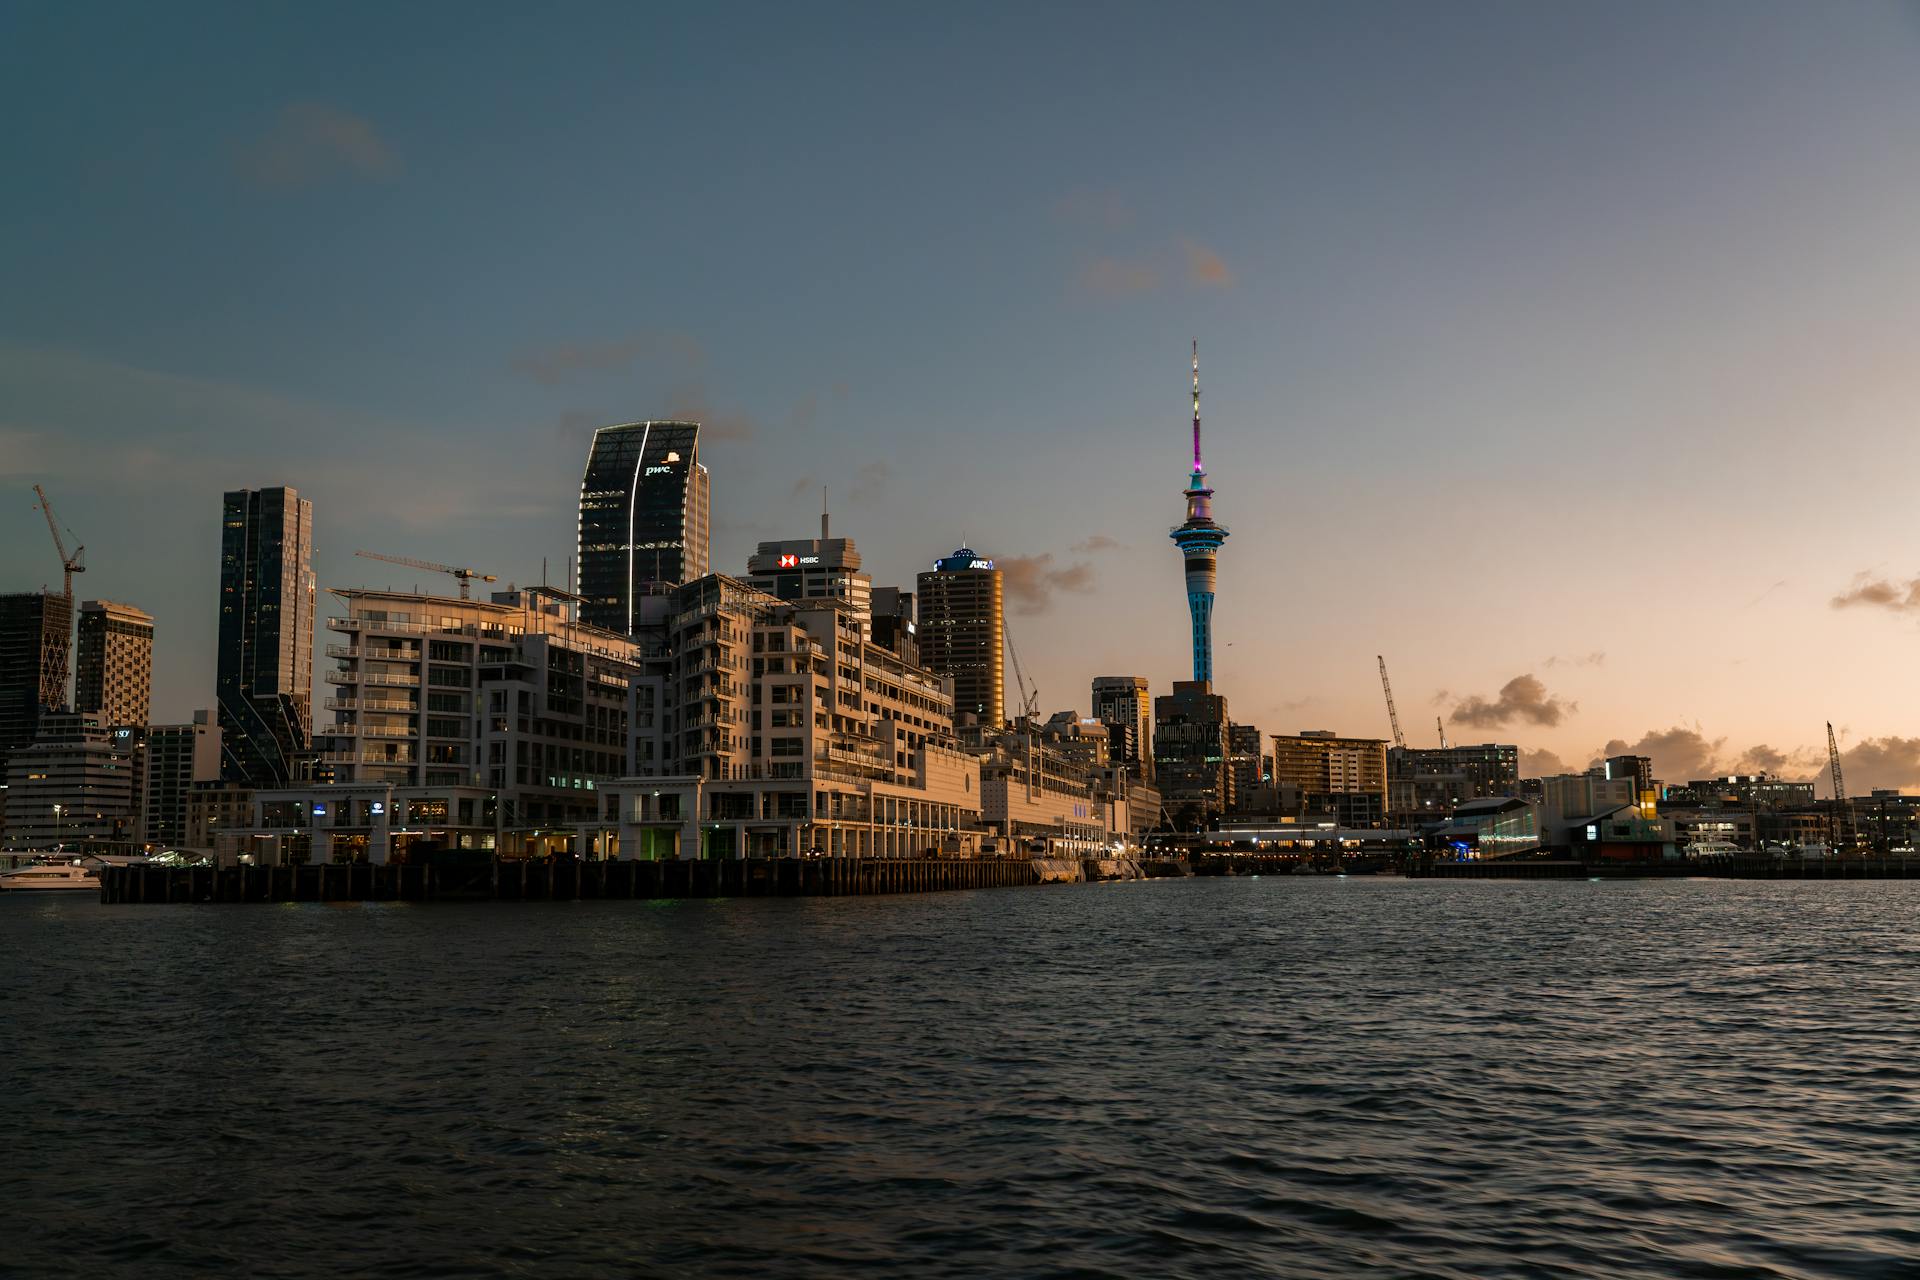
(1562, 354)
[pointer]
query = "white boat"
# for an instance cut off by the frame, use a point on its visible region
(51, 875)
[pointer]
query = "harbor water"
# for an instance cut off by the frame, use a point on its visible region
(1290, 1076)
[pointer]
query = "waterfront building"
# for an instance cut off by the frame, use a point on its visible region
(1428, 782)
(113, 663)
(1343, 777)
(265, 659)
(215, 808)
(1123, 704)
(1043, 790)
(1491, 827)
(75, 785)
(1192, 758)
(1199, 541)
(961, 632)
(178, 757)
(510, 696)
(36, 642)
(644, 519)
(777, 728)
(1742, 791)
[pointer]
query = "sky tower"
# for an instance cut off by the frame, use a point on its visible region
(1199, 540)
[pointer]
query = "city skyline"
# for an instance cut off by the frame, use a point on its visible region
(1607, 455)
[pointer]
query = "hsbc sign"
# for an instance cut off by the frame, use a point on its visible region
(789, 562)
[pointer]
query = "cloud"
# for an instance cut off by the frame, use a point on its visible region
(1881, 762)
(1594, 659)
(870, 482)
(1878, 593)
(1522, 698)
(805, 484)
(310, 143)
(689, 402)
(1089, 206)
(550, 366)
(1098, 542)
(1681, 754)
(576, 425)
(1031, 581)
(1118, 278)
(1540, 764)
(1205, 268)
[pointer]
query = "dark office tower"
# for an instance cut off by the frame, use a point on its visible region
(1192, 756)
(265, 679)
(113, 664)
(643, 518)
(36, 631)
(1122, 702)
(961, 617)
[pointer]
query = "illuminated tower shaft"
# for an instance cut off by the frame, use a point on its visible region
(1199, 541)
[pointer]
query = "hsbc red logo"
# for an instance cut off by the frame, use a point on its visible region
(790, 562)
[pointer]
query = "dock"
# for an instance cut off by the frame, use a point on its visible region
(527, 880)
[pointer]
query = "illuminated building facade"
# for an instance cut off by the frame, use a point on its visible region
(644, 525)
(1123, 704)
(962, 615)
(113, 663)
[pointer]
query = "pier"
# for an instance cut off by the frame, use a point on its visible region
(530, 880)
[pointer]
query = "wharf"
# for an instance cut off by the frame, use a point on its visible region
(522, 880)
(1871, 868)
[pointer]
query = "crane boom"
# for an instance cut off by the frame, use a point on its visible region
(69, 564)
(1441, 725)
(465, 576)
(1029, 698)
(1393, 713)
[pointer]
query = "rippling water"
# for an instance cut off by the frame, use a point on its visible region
(1282, 1076)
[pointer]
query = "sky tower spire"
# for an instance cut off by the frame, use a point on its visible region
(1199, 541)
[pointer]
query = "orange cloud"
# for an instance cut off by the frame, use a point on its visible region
(1205, 268)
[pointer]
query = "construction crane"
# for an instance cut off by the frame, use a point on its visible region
(1392, 713)
(1441, 725)
(1841, 827)
(466, 576)
(1029, 697)
(69, 564)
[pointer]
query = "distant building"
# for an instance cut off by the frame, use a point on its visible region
(1192, 757)
(1042, 791)
(1252, 767)
(178, 756)
(644, 519)
(1123, 704)
(820, 568)
(113, 663)
(1638, 768)
(1344, 777)
(75, 785)
(265, 659)
(213, 809)
(36, 644)
(1742, 791)
(893, 625)
(1428, 782)
(962, 619)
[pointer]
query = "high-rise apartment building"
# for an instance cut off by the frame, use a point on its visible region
(962, 616)
(644, 525)
(177, 757)
(113, 663)
(265, 681)
(36, 640)
(1192, 756)
(1423, 782)
(1123, 703)
(1250, 764)
(1346, 777)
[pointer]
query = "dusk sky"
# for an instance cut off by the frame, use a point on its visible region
(1566, 357)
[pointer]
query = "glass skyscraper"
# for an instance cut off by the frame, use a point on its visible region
(643, 518)
(265, 680)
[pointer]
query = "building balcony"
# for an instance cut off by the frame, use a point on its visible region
(406, 681)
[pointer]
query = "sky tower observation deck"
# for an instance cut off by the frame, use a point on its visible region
(1199, 541)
